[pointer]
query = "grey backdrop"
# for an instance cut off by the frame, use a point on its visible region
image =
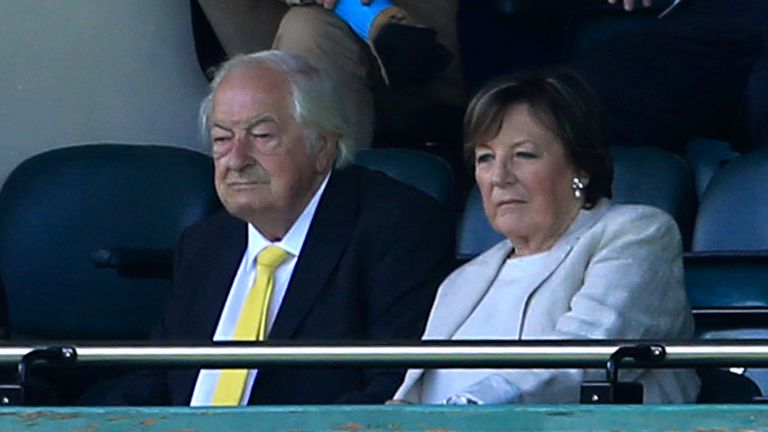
(75, 71)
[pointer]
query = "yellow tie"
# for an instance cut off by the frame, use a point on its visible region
(251, 324)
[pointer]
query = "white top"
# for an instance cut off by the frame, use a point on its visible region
(490, 320)
(244, 279)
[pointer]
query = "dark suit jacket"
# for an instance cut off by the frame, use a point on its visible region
(369, 268)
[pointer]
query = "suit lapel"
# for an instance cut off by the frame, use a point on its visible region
(326, 240)
(224, 263)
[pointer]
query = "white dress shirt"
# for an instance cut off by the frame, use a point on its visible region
(244, 279)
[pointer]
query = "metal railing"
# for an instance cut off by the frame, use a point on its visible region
(450, 354)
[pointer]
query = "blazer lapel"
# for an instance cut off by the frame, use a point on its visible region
(452, 308)
(326, 240)
(558, 253)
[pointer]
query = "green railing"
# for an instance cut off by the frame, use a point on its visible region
(510, 418)
(518, 354)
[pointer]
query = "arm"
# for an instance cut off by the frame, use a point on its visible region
(410, 255)
(328, 4)
(360, 15)
(632, 288)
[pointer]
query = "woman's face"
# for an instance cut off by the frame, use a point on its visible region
(525, 180)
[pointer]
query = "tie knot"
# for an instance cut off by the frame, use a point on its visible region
(271, 257)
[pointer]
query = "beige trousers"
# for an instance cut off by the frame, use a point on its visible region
(244, 26)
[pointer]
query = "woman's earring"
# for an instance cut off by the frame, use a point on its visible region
(577, 187)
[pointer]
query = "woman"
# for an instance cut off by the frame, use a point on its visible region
(573, 266)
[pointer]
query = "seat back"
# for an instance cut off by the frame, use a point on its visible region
(651, 176)
(59, 207)
(734, 210)
(475, 232)
(643, 175)
(425, 171)
(706, 157)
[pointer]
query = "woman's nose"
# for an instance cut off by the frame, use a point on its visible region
(502, 174)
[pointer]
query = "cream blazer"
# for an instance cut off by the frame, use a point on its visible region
(617, 273)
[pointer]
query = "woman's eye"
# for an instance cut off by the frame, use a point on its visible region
(483, 158)
(525, 155)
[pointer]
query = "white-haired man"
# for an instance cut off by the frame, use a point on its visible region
(309, 248)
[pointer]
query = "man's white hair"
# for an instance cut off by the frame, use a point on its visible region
(317, 105)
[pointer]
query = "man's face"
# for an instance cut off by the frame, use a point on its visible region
(264, 173)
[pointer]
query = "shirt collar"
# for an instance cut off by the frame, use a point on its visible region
(293, 240)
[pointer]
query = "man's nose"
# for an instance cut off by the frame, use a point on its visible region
(240, 154)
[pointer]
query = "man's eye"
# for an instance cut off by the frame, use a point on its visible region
(221, 139)
(259, 132)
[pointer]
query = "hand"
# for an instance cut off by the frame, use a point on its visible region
(330, 4)
(397, 402)
(629, 5)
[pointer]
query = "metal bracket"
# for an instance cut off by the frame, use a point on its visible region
(15, 394)
(612, 391)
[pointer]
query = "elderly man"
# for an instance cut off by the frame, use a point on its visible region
(304, 252)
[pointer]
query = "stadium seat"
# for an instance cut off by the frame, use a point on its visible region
(424, 171)
(651, 176)
(64, 208)
(727, 269)
(643, 175)
(734, 208)
(705, 157)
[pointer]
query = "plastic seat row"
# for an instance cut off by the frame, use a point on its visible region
(67, 211)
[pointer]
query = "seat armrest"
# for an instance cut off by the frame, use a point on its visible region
(135, 262)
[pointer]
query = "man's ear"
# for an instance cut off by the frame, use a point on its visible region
(328, 148)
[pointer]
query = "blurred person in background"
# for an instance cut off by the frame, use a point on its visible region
(699, 71)
(409, 44)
